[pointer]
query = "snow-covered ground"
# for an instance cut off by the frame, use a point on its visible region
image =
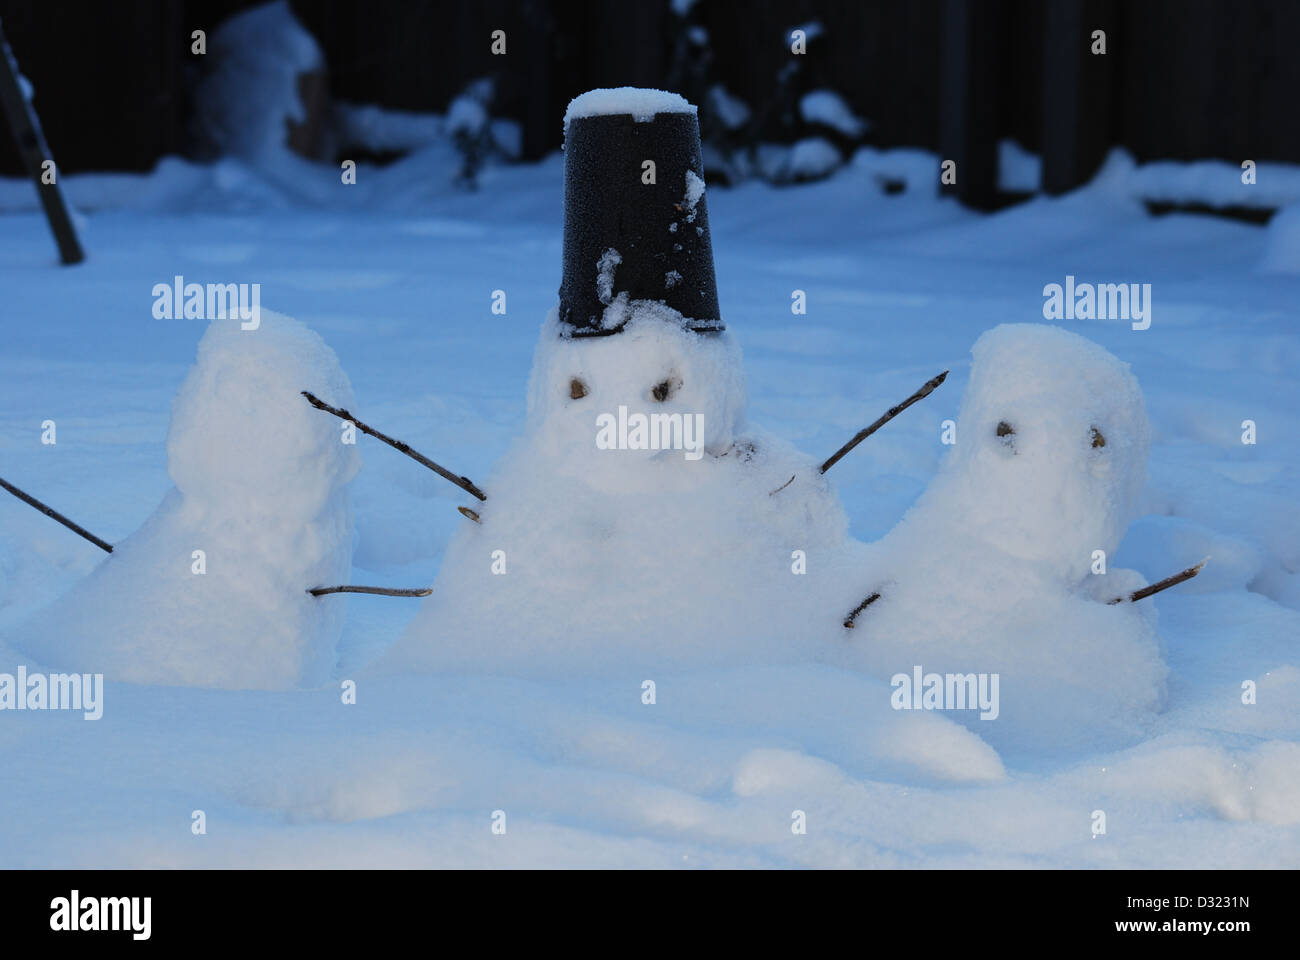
(397, 274)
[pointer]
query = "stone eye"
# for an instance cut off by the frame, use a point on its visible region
(577, 389)
(1097, 439)
(1006, 434)
(665, 389)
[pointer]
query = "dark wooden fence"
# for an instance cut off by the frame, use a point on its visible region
(1181, 79)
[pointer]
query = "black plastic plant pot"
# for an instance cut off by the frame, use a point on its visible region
(659, 229)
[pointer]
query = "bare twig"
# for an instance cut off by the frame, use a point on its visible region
(1133, 597)
(783, 486)
(467, 512)
(848, 621)
(55, 515)
(379, 591)
(1164, 584)
(463, 482)
(926, 389)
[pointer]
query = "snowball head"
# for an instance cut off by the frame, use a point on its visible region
(651, 368)
(242, 433)
(1051, 452)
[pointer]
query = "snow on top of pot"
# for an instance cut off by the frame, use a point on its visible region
(643, 103)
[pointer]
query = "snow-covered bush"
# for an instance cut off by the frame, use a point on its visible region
(467, 130)
(800, 130)
(827, 108)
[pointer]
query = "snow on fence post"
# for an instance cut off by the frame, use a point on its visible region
(26, 129)
(634, 184)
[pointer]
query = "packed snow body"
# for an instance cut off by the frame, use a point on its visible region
(261, 489)
(996, 570)
(617, 556)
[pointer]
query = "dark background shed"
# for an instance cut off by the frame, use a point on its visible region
(1182, 79)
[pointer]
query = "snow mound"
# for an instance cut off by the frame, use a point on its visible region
(467, 115)
(378, 128)
(1214, 183)
(812, 158)
(992, 571)
(595, 553)
(1282, 246)
(1256, 782)
(252, 90)
(917, 170)
(1217, 183)
(261, 488)
(1018, 169)
(829, 109)
(641, 102)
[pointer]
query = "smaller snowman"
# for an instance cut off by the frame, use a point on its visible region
(1002, 565)
(212, 589)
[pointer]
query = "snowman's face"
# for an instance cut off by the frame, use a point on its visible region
(584, 390)
(1051, 451)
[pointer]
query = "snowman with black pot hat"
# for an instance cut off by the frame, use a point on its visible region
(634, 520)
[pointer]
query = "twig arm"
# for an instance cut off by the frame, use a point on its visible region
(848, 621)
(463, 482)
(55, 515)
(1164, 584)
(378, 591)
(1133, 597)
(926, 389)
